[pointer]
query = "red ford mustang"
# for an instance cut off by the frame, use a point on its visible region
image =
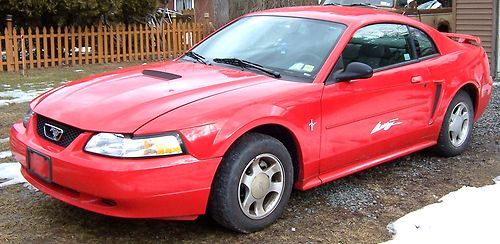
(280, 99)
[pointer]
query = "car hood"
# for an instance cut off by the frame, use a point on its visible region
(123, 101)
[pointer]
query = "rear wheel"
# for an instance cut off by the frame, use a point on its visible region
(253, 184)
(456, 130)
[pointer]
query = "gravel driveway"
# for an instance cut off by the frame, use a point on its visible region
(355, 209)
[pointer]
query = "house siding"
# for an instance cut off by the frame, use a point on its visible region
(479, 18)
(497, 72)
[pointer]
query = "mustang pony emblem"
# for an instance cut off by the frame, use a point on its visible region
(312, 123)
(385, 126)
(52, 132)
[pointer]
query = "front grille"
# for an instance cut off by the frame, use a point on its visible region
(69, 135)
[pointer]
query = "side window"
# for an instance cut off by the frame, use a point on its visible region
(423, 44)
(379, 46)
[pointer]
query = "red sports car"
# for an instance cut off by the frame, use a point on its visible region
(279, 99)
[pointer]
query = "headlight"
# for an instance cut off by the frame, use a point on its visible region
(116, 145)
(27, 117)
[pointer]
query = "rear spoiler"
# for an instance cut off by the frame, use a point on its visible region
(462, 38)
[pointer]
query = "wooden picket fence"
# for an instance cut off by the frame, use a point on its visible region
(50, 47)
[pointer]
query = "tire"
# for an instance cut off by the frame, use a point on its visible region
(239, 173)
(447, 146)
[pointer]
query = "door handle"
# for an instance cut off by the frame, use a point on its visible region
(417, 79)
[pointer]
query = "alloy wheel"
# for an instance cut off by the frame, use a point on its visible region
(458, 128)
(261, 186)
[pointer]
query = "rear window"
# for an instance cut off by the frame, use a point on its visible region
(423, 44)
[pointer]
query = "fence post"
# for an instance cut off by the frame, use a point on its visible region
(86, 43)
(141, 42)
(8, 43)
(174, 38)
(124, 42)
(38, 48)
(45, 48)
(92, 44)
(105, 44)
(99, 43)
(158, 42)
(80, 45)
(147, 39)
(112, 44)
(207, 26)
(66, 45)
(30, 48)
(23, 53)
(59, 46)
(136, 49)
(52, 47)
(16, 49)
(129, 35)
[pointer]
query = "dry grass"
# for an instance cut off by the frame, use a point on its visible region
(55, 75)
(38, 79)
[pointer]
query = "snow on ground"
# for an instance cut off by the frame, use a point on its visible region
(4, 140)
(5, 154)
(19, 96)
(496, 83)
(11, 172)
(469, 215)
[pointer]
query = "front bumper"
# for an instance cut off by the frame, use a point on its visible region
(169, 187)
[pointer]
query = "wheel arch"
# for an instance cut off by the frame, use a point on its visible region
(285, 136)
(471, 88)
(473, 91)
(276, 130)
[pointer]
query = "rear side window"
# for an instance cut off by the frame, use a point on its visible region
(423, 43)
(379, 46)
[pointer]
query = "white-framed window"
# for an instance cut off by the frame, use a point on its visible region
(180, 5)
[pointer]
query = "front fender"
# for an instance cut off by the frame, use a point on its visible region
(209, 127)
(214, 139)
(249, 118)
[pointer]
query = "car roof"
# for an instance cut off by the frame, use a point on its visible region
(351, 16)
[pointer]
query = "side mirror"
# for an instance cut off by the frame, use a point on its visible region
(354, 71)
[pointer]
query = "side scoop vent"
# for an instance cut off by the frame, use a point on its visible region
(160, 74)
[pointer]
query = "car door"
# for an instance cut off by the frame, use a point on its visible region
(367, 119)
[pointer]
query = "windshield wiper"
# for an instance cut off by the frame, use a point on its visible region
(197, 57)
(332, 4)
(362, 4)
(247, 64)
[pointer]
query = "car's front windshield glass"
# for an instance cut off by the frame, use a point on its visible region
(377, 3)
(294, 47)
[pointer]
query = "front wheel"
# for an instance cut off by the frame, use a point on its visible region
(456, 130)
(252, 185)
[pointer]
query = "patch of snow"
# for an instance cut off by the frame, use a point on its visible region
(79, 70)
(496, 83)
(469, 215)
(5, 154)
(19, 96)
(12, 173)
(39, 83)
(4, 140)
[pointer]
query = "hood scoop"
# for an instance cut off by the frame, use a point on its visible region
(160, 74)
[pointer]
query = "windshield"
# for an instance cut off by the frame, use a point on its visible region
(294, 47)
(378, 3)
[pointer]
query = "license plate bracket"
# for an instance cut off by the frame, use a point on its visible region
(39, 165)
